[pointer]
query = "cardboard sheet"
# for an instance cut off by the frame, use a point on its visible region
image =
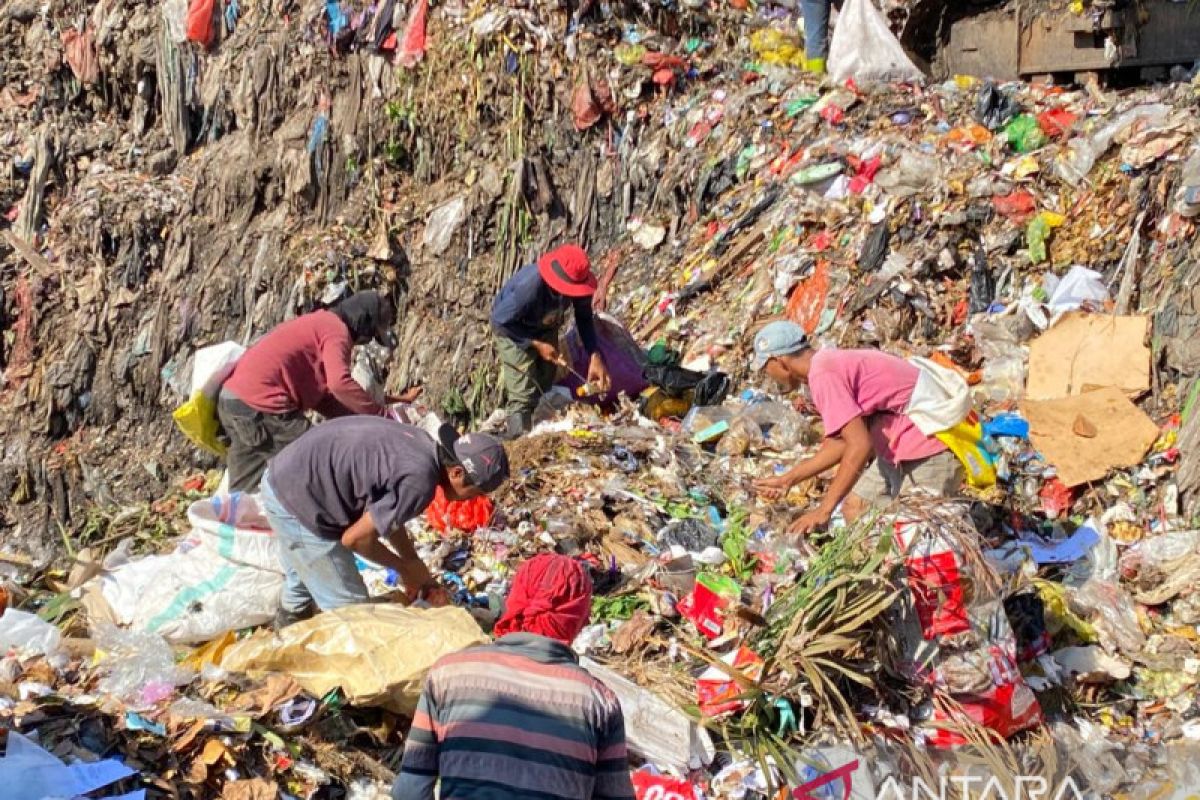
(1124, 433)
(1088, 351)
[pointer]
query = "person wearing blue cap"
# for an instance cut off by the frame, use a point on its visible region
(862, 397)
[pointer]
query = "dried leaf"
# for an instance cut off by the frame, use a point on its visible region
(252, 789)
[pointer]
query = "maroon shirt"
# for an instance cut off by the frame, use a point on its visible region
(302, 365)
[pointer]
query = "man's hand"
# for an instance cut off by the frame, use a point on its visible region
(814, 520)
(598, 374)
(431, 592)
(547, 352)
(773, 488)
(409, 395)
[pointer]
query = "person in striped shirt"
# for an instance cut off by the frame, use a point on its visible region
(519, 718)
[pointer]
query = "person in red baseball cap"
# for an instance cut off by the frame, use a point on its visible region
(526, 317)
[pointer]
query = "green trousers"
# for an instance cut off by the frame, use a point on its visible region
(526, 377)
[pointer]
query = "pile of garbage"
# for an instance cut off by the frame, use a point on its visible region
(1038, 240)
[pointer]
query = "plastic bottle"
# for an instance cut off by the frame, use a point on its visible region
(1187, 198)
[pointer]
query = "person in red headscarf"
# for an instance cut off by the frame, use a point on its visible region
(527, 315)
(520, 718)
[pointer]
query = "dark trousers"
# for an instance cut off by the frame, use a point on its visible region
(254, 438)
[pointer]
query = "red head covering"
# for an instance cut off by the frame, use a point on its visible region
(551, 596)
(567, 271)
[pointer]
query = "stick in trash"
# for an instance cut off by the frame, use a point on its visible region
(586, 389)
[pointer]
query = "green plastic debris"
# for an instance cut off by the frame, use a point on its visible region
(1024, 134)
(1038, 232)
(743, 163)
(818, 174)
(629, 55)
(796, 107)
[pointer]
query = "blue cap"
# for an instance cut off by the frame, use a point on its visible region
(781, 338)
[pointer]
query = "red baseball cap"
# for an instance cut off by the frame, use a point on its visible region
(567, 271)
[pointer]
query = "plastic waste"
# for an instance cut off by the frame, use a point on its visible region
(1057, 121)
(377, 654)
(983, 283)
(1004, 362)
(1080, 285)
(1024, 134)
(993, 107)
(772, 46)
(412, 42)
(911, 174)
(174, 14)
(139, 667)
(1092, 752)
(30, 772)
(1112, 613)
(864, 48)
(622, 355)
(1082, 152)
(201, 26)
(743, 436)
(197, 418)
(443, 223)
(719, 694)
(1187, 196)
(224, 575)
(1038, 232)
(693, 535)
(649, 783)
(467, 516)
(28, 634)
(656, 730)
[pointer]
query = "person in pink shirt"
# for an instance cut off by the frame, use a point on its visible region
(861, 396)
(301, 365)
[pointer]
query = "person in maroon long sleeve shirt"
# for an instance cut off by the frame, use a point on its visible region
(301, 365)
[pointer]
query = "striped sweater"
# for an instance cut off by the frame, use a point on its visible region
(518, 718)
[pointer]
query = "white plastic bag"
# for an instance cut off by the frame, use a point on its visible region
(940, 400)
(1080, 285)
(213, 365)
(225, 575)
(443, 223)
(28, 634)
(864, 48)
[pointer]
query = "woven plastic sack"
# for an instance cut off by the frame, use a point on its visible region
(223, 576)
(377, 653)
(863, 48)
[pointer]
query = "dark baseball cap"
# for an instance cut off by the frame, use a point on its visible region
(482, 457)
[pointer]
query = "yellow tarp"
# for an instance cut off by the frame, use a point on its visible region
(377, 654)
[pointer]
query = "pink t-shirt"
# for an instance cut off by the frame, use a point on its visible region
(876, 386)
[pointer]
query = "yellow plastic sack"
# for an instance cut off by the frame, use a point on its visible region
(1059, 615)
(376, 653)
(965, 440)
(197, 419)
(773, 47)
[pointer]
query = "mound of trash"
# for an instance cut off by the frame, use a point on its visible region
(176, 184)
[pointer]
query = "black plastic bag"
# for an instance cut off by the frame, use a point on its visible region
(983, 283)
(994, 108)
(712, 389)
(875, 248)
(673, 380)
(1027, 617)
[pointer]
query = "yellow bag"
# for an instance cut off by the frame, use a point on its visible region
(197, 418)
(965, 440)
